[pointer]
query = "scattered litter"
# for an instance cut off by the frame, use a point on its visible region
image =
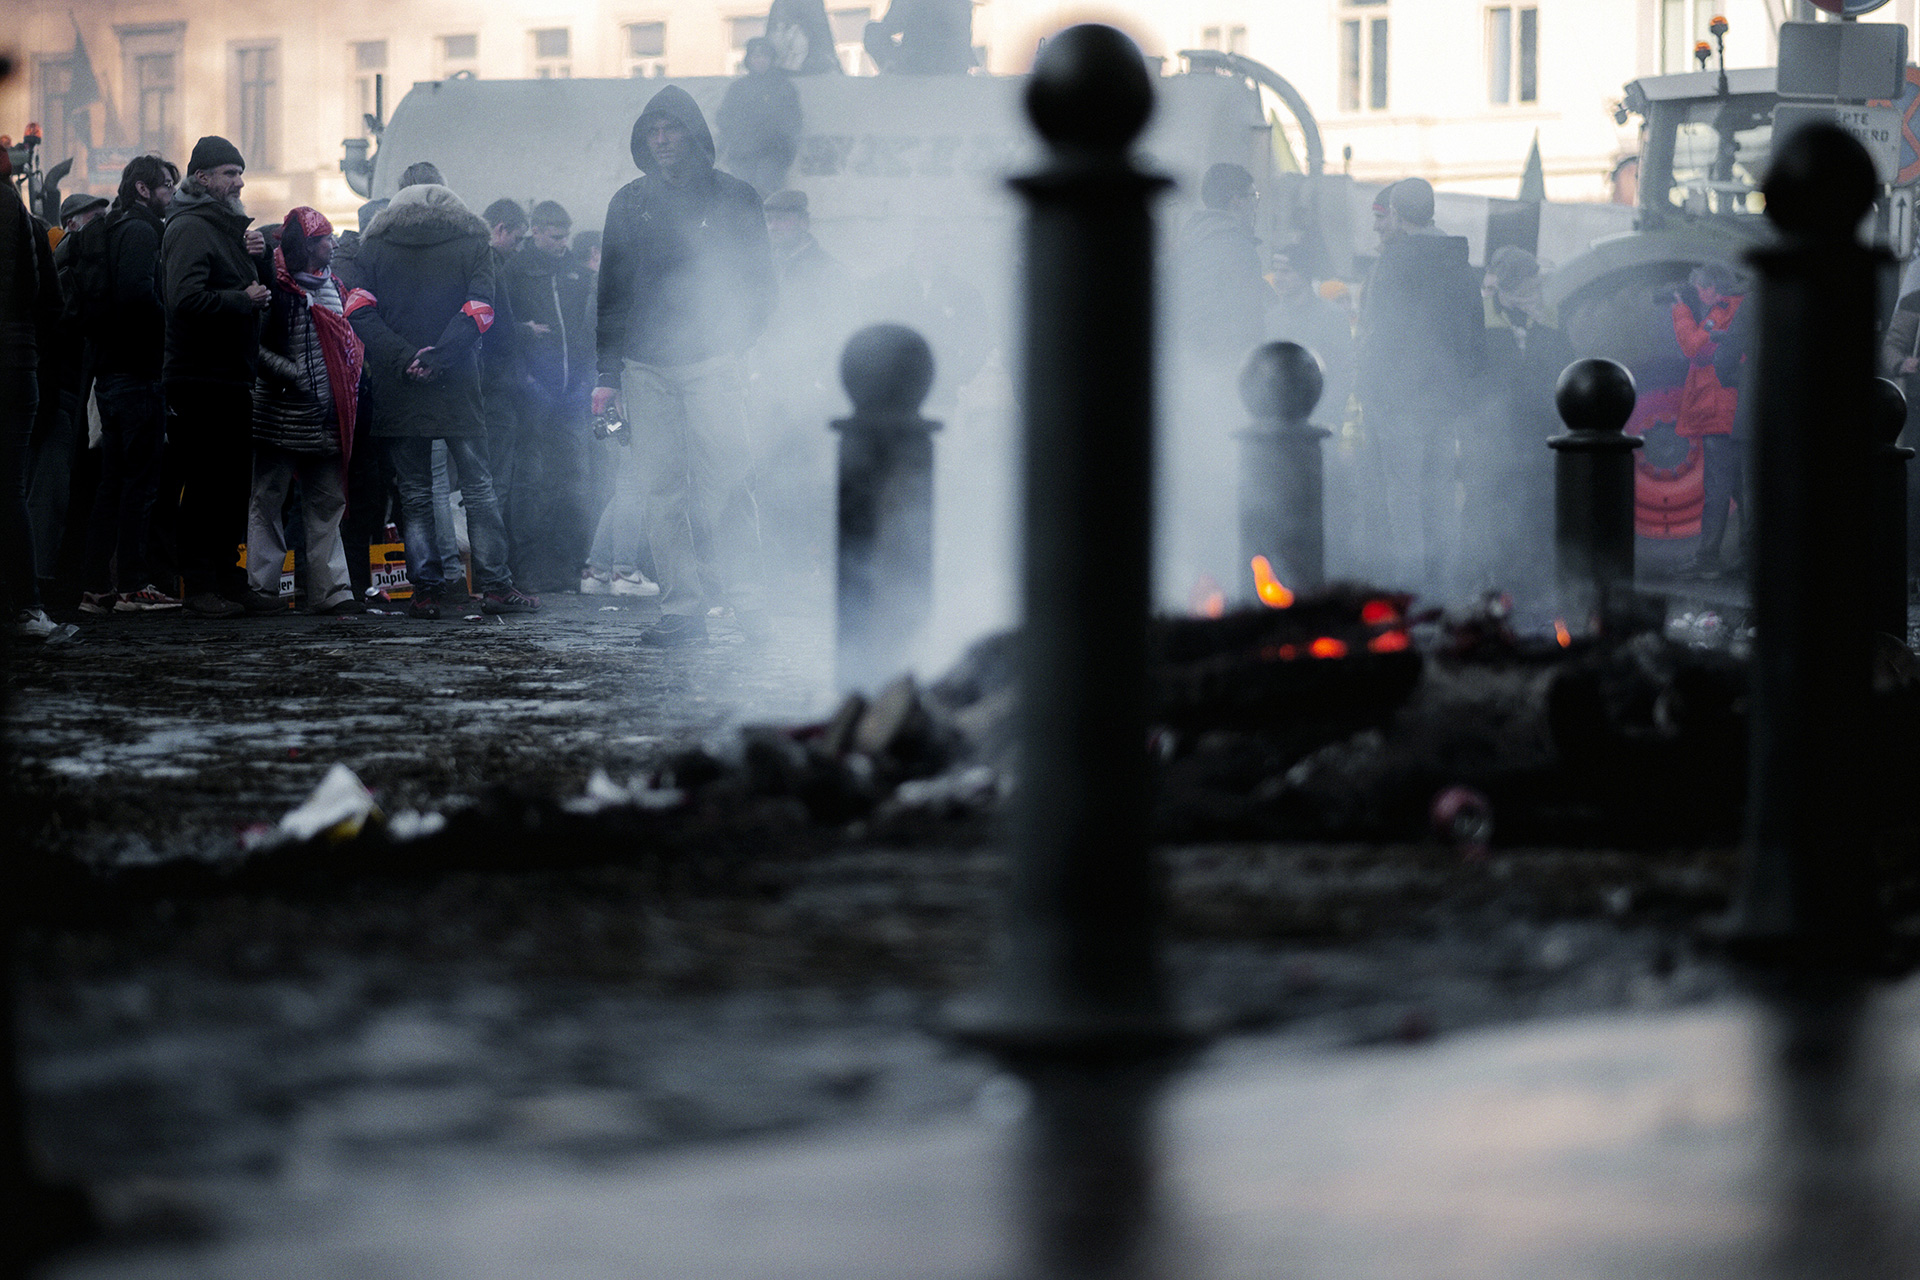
(411, 824)
(399, 640)
(487, 619)
(338, 808)
(604, 793)
(609, 608)
(1464, 817)
(62, 634)
(970, 790)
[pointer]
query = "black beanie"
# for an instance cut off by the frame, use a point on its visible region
(212, 152)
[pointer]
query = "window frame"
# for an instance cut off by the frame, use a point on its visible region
(140, 42)
(1513, 55)
(1364, 41)
(255, 105)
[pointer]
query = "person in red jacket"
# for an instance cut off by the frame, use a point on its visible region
(1703, 311)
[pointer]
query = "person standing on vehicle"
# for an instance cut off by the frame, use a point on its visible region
(686, 285)
(304, 407)
(422, 301)
(548, 291)
(1420, 348)
(1703, 312)
(210, 273)
(128, 341)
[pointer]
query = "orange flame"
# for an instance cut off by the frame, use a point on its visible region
(1375, 612)
(1272, 592)
(1389, 642)
(1328, 647)
(1560, 633)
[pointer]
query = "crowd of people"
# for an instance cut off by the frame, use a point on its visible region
(584, 398)
(1444, 374)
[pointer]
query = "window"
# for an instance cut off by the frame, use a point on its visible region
(459, 54)
(1513, 54)
(150, 58)
(739, 31)
(1363, 58)
(367, 58)
(1225, 39)
(1683, 24)
(64, 122)
(647, 49)
(254, 104)
(552, 53)
(850, 40)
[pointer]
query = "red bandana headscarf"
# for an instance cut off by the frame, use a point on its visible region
(339, 344)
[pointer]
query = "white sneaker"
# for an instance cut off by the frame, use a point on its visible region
(34, 624)
(595, 583)
(634, 583)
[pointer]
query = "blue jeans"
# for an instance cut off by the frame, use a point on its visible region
(133, 428)
(486, 534)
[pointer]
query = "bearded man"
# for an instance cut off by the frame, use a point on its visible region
(211, 270)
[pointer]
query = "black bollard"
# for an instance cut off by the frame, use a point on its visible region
(1807, 895)
(1887, 503)
(1079, 1006)
(1282, 485)
(884, 587)
(1593, 490)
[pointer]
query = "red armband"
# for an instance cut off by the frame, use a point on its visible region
(480, 313)
(356, 299)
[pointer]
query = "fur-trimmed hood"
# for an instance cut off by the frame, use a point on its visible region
(425, 214)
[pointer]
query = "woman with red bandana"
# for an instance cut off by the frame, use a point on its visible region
(1703, 311)
(304, 403)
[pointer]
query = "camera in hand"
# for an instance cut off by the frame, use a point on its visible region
(611, 423)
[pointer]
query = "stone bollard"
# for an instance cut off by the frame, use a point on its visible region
(1807, 894)
(1593, 490)
(1887, 502)
(884, 584)
(1079, 1006)
(1282, 485)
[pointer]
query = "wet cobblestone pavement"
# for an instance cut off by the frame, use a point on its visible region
(210, 1060)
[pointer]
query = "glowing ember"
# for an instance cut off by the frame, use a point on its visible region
(1273, 593)
(1560, 633)
(1389, 642)
(1328, 647)
(1206, 599)
(1376, 612)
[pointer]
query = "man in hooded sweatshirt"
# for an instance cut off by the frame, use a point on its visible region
(211, 268)
(1422, 343)
(686, 285)
(422, 298)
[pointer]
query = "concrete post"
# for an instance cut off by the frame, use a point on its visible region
(1282, 483)
(1887, 503)
(884, 584)
(1593, 490)
(1807, 894)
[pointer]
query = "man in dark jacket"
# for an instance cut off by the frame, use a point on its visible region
(30, 306)
(686, 283)
(421, 298)
(759, 121)
(1422, 341)
(128, 343)
(500, 376)
(549, 291)
(211, 267)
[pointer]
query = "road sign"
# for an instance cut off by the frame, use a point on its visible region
(1880, 129)
(1851, 61)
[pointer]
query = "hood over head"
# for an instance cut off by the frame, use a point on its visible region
(425, 214)
(678, 104)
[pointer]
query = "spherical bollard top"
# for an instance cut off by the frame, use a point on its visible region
(1090, 90)
(1595, 396)
(1886, 410)
(1821, 182)
(1281, 380)
(887, 369)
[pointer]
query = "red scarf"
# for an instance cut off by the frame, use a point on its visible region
(339, 344)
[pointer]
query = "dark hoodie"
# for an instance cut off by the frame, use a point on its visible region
(1422, 338)
(686, 272)
(213, 329)
(1222, 295)
(428, 269)
(540, 288)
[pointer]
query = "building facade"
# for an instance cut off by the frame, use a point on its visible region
(1453, 90)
